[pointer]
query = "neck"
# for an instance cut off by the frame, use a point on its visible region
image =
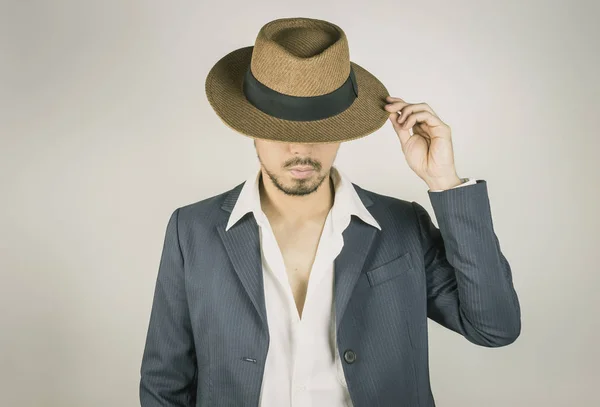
(292, 209)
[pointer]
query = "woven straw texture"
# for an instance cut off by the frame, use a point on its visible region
(306, 58)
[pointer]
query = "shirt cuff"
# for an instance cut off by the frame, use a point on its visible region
(465, 182)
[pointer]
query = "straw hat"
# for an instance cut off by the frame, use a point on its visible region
(297, 84)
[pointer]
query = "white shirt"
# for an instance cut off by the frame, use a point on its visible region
(303, 367)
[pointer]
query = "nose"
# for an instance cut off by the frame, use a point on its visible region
(301, 147)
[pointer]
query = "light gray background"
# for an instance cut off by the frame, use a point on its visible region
(105, 130)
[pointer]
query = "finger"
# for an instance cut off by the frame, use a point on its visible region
(394, 99)
(426, 117)
(419, 130)
(403, 134)
(418, 107)
(395, 103)
(395, 106)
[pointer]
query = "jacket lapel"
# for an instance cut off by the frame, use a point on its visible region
(242, 244)
(243, 248)
(358, 241)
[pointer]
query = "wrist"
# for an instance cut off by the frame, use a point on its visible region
(444, 184)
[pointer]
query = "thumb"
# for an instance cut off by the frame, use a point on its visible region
(403, 134)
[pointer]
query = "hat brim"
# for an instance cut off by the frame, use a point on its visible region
(224, 90)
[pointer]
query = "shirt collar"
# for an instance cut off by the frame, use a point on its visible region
(346, 202)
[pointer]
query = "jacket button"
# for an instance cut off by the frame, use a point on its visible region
(349, 356)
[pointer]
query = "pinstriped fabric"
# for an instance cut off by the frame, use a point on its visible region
(169, 365)
(208, 339)
(472, 269)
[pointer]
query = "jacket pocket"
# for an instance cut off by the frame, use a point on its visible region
(389, 270)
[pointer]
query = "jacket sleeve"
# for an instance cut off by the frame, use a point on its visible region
(168, 369)
(469, 281)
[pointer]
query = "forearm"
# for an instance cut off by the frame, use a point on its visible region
(470, 280)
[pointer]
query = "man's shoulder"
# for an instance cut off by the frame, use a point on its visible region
(382, 200)
(210, 208)
(392, 213)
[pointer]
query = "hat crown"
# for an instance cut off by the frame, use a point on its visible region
(301, 56)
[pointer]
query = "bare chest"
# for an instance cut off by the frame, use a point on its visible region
(298, 249)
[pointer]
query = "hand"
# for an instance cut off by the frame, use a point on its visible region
(428, 151)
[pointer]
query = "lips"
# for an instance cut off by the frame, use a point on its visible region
(302, 168)
(302, 174)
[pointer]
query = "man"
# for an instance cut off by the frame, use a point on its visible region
(300, 288)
